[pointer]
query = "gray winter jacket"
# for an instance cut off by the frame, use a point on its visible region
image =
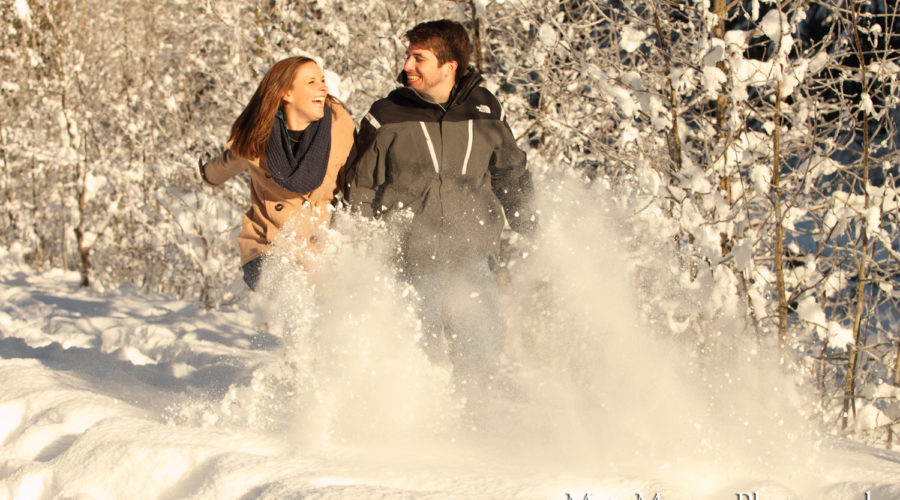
(455, 167)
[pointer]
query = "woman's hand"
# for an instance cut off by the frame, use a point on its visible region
(201, 164)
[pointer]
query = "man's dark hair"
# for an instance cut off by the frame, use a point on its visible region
(447, 39)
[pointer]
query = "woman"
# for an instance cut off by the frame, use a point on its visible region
(295, 138)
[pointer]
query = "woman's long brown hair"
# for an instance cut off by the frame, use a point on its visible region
(250, 132)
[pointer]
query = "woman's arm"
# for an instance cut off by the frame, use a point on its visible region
(223, 167)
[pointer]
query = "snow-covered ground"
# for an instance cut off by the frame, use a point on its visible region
(319, 391)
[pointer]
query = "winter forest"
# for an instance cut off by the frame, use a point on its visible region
(741, 156)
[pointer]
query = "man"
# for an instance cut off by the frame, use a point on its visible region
(439, 147)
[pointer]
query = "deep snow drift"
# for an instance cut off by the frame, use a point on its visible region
(316, 388)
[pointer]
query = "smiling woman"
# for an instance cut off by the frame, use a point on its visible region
(304, 102)
(294, 138)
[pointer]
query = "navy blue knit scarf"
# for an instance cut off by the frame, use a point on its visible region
(303, 169)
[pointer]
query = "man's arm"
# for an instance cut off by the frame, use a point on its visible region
(512, 183)
(366, 172)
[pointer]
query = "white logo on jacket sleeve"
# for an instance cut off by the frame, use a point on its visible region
(484, 108)
(372, 120)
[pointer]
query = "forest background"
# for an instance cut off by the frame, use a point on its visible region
(759, 137)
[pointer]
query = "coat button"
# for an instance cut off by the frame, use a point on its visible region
(268, 176)
(278, 207)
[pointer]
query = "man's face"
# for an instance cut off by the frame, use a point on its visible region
(424, 74)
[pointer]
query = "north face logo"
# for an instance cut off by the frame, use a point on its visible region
(484, 108)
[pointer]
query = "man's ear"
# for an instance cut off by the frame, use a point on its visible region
(453, 66)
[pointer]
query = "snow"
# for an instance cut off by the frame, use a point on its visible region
(481, 7)
(873, 220)
(839, 336)
(316, 388)
(774, 24)
(652, 336)
(716, 53)
(811, 311)
(632, 37)
(548, 35)
(818, 63)
(23, 11)
(866, 104)
(713, 78)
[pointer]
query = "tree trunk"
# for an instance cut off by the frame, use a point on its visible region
(476, 37)
(35, 219)
(7, 181)
(890, 429)
(84, 250)
(722, 102)
(779, 226)
(862, 262)
(674, 138)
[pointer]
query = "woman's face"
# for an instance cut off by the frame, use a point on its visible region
(304, 102)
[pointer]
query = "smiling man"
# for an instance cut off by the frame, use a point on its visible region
(439, 148)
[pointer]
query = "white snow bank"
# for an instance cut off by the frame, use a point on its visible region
(323, 392)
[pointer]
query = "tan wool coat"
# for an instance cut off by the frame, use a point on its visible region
(272, 206)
